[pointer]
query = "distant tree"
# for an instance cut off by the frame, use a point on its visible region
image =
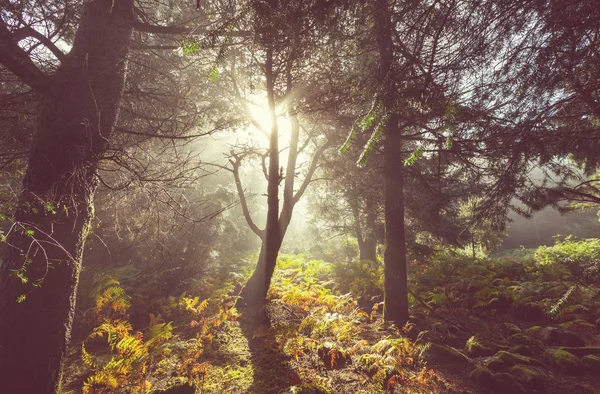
(285, 34)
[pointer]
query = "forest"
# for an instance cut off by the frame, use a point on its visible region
(299, 196)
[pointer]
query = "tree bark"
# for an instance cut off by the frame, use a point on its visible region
(395, 307)
(367, 243)
(40, 271)
(255, 290)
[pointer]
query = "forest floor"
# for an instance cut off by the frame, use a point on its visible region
(313, 339)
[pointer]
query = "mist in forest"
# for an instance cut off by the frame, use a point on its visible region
(320, 196)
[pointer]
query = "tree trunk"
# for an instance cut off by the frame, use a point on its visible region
(255, 290)
(367, 244)
(395, 307)
(395, 282)
(370, 241)
(40, 271)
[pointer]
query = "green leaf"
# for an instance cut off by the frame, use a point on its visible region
(372, 143)
(374, 114)
(416, 155)
(29, 233)
(189, 48)
(49, 207)
(23, 278)
(21, 298)
(346, 145)
(214, 75)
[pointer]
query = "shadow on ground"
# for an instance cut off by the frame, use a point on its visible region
(271, 368)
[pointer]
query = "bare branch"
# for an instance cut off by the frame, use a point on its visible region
(236, 162)
(28, 31)
(16, 60)
(311, 170)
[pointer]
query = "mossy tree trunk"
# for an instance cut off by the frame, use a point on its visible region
(39, 275)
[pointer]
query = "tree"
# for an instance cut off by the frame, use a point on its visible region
(283, 37)
(75, 119)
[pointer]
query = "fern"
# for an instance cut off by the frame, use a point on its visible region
(87, 358)
(563, 302)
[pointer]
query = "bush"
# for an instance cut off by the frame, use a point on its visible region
(580, 258)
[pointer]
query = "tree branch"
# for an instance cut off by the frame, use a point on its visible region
(182, 30)
(241, 194)
(311, 170)
(28, 31)
(19, 63)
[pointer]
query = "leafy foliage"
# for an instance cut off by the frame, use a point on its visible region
(132, 356)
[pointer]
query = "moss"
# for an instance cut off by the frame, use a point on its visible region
(582, 351)
(520, 338)
(510, 328)
(476, 347)
(448, 353)
(528, 377)
(534, 331)
(510, 359)
(591, 362)
(563, 360)
(577, 325)
(482, 377)
(522, 350)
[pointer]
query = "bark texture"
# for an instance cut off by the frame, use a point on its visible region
(255, 290)
(40, 271)
(395, 307)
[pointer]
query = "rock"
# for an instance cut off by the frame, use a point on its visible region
(447, 353)
(505, 383)
(591, 362)
(520, 339)
(563, 360)
(510, 359)
(500, 304)
(333, 357)
(530, 311)
(529, 378)
(482, 377)
(577, 325)
(510, 329)
(522, 350)
(496, 365)
(552, 336)
(582, 351)
(477, 347)
(534, 332)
